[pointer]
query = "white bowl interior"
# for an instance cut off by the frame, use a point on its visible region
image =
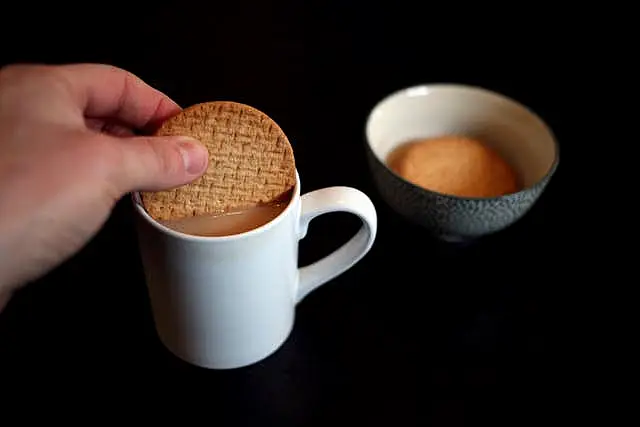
(515, 132)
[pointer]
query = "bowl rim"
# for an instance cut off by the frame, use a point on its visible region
(423, 90)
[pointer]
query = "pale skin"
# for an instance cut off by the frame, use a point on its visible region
(68, 153)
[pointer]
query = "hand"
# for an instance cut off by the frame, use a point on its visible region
(67, 154)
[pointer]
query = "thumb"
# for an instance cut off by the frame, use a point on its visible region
(159, 163)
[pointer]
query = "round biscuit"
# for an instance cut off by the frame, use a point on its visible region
(455, 165)
(250, 162)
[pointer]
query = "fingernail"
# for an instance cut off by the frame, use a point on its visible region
(194, 155)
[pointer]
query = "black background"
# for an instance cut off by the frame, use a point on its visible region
(418, 332)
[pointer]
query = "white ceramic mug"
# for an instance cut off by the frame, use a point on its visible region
(227, 302)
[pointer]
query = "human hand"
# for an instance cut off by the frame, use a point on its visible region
(68, 153)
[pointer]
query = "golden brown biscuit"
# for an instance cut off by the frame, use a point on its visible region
(454, 165)
(250, 162)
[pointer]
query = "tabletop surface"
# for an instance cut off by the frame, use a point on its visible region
(418, 331)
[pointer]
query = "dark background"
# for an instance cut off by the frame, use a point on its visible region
(416, 333)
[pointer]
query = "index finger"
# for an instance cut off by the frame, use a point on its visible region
(111, 93)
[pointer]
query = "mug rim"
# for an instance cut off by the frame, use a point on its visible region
(426, 87)
(137, 201)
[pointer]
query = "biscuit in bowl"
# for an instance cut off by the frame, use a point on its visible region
(454, 165)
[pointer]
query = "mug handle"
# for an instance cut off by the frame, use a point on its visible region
(335, 199)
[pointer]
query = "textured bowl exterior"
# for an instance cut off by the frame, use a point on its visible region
(452, 218)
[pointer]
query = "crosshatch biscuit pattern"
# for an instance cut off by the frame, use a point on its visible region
(250, 162)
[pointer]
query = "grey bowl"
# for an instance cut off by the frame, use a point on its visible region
(515, 132)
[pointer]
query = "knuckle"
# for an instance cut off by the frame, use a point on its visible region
(12, 75)
(101, 155)
(20, 80)
(106, 159)
(167, 157)
(13, 70)
(18, 72)
(105, 150)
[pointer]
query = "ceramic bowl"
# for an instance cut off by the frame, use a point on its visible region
(515, 132)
